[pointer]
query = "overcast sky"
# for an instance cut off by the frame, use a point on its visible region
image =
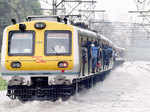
(117, 10)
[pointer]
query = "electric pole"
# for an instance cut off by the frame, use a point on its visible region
(72, 7)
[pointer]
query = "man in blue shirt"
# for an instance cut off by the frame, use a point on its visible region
(94, 54)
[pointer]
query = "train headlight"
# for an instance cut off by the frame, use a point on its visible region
(40, 25)
(62, 64)
(22, 27)
(16, 64)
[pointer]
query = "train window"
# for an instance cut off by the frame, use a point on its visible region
(58, 42)
(21, 43)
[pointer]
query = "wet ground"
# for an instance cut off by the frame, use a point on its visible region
(126, 89)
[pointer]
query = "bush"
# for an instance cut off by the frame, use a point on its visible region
(3, 84)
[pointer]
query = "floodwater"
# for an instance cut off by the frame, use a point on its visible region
(126, 89)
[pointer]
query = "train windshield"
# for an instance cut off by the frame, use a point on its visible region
(58, 42)
(21, 43)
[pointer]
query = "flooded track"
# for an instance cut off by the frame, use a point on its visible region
(126, 89)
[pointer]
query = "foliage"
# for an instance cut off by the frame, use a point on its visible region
(17, 9)
(3, 84)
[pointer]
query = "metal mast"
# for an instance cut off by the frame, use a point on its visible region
(73, 7)
(143, 11)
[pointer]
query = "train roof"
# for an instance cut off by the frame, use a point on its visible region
(86, 32)
(81, 27)
(97, 35)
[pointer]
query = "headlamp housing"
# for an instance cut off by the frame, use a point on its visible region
(40, 25)
(63, 64)
(16, 64)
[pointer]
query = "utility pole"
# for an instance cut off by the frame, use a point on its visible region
(93, 11)
(146, 19)
(85, 8)
(54, 7)
(70, 6)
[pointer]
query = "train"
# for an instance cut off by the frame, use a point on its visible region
(47, 58)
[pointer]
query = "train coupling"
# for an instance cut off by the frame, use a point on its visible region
(60, 80)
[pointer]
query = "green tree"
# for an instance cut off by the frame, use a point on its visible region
(18, 9)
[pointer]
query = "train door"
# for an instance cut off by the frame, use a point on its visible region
(90, 41)
(102, 52)
(100, 58)
(83, 55)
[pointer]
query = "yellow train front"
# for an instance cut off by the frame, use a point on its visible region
(42, 59)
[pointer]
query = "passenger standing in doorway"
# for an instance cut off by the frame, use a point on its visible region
(94, 54)
(110, 51)
(99, 58)
(105, 56)
(84, 56)
(88, 45)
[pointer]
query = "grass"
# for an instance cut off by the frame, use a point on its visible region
(3, 84)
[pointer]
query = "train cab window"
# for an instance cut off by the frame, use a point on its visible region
(58, 42)
(21, 43)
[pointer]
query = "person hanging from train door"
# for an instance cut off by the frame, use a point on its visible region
(105, 56)
(88, 45)
(97, 63)
(114, 55)
(94, 54)
(99, 57)
(84, 56)
(110, 51)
